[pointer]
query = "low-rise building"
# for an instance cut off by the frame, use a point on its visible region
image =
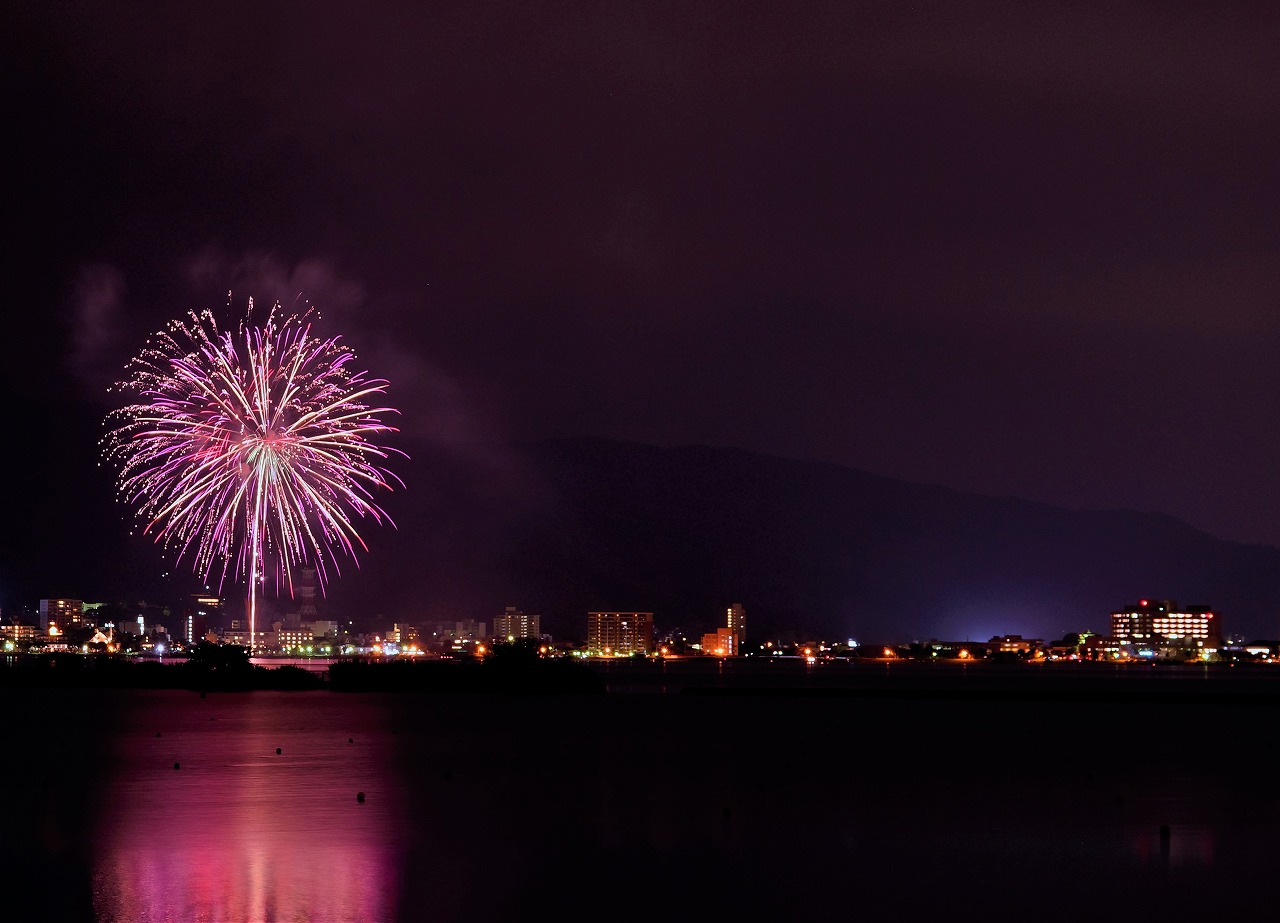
(723, 642)
(294, 640)
(1015, 644)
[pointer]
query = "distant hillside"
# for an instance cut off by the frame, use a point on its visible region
(564, 527)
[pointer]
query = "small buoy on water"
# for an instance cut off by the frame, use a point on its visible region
(177, 765)
(277, 751)
(360, 797)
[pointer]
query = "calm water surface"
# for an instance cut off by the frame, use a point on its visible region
(241, 832)
(635, 807)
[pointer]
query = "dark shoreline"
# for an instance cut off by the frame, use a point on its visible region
(1174, 683)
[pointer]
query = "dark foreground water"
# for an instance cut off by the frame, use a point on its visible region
(632, 807)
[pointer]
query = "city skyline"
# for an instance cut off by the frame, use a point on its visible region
(1150, 629)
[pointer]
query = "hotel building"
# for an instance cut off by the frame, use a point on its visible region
(1153, 621)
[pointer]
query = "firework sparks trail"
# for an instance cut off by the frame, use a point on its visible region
(251, 452)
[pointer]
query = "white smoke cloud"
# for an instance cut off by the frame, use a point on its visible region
(435, 409)
(266, 278)
(95, 331)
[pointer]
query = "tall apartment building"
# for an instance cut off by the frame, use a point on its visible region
(736, 620)
(61, 612)
(514, 624)
(194, 628)
(619, 633)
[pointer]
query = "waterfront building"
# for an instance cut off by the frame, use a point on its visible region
(197, 626)
(736, 620)
(470, 630)
(619, 633)
(443, 637)
(1015, 644)
(1107, 647)
(723, 642)
(402, 633)
(514, 624)
(1153, 621)
(61, 612)
(294, 640)
(19, 634)
(238, 634)
(1260, 650)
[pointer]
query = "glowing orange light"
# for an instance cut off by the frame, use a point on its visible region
(964, 655)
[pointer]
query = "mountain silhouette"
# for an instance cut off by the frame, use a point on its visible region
(564, 527)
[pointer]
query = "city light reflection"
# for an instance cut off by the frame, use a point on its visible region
(243, 832)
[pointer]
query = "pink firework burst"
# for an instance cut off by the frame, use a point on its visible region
(251, 452)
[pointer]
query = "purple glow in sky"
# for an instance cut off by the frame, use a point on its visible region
(1017, 250)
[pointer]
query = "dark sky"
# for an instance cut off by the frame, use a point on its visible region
(1024, 249)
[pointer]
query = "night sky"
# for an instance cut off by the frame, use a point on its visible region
(1023, 250)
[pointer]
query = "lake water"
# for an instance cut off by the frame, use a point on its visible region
(632, 807)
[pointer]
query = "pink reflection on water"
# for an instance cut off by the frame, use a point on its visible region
(240, 832)
(1181, 846)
